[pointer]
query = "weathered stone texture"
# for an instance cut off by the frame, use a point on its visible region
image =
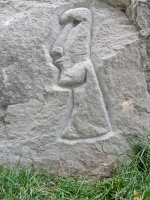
(75, 76)
(139, 14)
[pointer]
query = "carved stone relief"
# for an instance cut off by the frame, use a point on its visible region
(87, 116)
(72, 82)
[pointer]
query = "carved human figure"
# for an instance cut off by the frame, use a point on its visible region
(71, 54)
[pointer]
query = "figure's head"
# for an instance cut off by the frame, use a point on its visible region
(73, 44)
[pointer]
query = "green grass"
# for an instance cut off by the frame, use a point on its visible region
(131, 181)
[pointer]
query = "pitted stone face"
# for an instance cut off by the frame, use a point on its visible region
(72, 47)
(73, 82)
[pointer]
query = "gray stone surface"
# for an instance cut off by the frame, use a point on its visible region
(139, 14)
(75, 78)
